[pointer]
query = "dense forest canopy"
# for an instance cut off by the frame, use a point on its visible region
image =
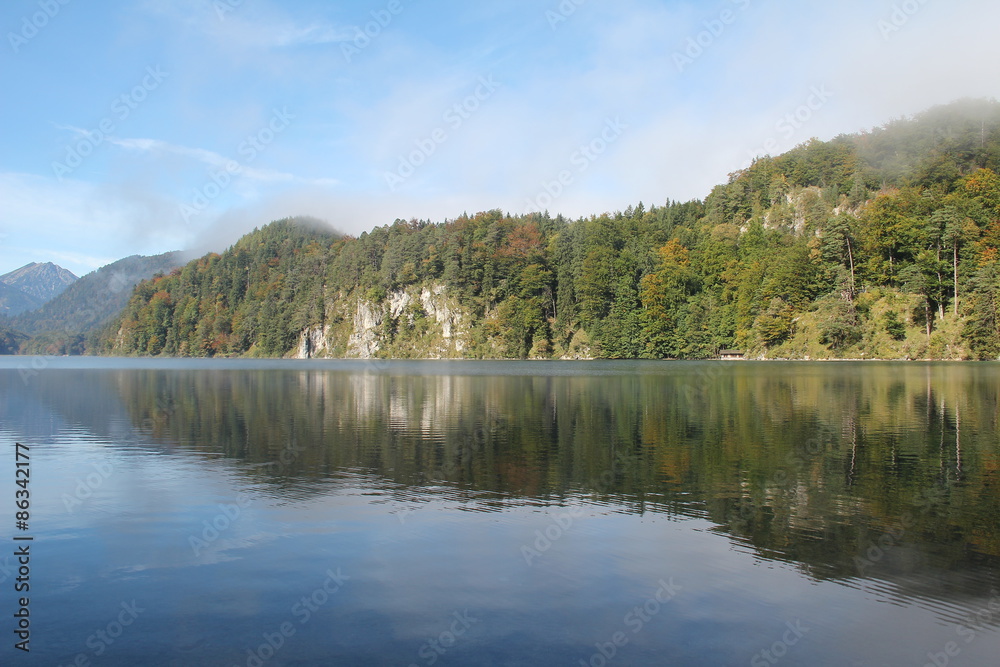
(878, 244)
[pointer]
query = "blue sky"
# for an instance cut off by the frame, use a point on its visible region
(150, 125)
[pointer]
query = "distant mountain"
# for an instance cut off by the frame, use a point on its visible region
(42, 282)
(97, 297)
(11, 341)
(14, 301)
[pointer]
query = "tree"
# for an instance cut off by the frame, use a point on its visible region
(838, 324)
(663, 295)
(775, 324)
(859, 191)
(595, 285)
(956, 231)
(982, 327)
(891, 232)
(837, 243)
(893, 325)
(621, 334)
(916, 279)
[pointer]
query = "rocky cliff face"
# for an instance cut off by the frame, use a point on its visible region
(416, 322)
(364, 339)
(312, 342)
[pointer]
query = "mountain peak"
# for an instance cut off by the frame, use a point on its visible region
(33, 285)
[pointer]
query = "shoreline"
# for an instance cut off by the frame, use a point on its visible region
(377, 360)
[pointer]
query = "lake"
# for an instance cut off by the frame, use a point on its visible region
(251, 513)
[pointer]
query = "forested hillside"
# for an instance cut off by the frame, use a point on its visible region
(13, 300)
(62, 325)
(11, 341)
(883, 244)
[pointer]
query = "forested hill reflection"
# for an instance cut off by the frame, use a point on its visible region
(810, 463)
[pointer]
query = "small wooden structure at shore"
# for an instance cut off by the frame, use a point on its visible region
(731, 355)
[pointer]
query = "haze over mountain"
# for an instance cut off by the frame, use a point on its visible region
(13, 301)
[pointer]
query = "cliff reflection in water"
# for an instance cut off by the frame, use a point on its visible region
(850, 470)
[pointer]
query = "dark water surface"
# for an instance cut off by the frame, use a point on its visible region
(463, 513)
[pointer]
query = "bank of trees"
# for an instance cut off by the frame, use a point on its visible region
(866, 240)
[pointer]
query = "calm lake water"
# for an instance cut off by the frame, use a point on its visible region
(458, 513)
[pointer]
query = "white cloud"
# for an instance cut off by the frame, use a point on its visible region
(247, 25)
(210, 158)
(316, 33)
(689, 129)
(76, 224)
(686, 130)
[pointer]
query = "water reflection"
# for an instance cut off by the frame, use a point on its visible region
(879, 477)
